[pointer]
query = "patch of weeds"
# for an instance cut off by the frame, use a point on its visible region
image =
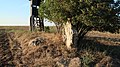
(87, 58)
(90, 57)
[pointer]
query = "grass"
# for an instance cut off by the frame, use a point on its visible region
(49, 29)
(92, 49)
(15, 27)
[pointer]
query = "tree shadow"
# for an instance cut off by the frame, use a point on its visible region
(94, 45)
(104, 38)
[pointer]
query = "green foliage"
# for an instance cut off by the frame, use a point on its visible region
(91, 13)
(84, 14)
(87, 58)
(50, 29)
(47, 29)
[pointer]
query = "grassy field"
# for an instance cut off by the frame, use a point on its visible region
(97, 49)
(50, 29)
(15, 27)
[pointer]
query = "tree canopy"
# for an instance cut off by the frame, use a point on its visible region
(83, 16)
(103, 14)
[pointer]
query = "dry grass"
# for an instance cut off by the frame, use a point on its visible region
(105, 34)
(97, 49)
(15, 27)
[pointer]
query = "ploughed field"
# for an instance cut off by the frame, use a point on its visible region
(22, 48)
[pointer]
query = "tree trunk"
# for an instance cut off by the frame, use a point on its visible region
(70, 36)
(59, 28)
(73, 34)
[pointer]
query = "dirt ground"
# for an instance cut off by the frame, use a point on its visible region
(40, 49)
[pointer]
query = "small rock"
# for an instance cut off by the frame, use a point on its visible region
(75, 62)
(108, 62)
(105, 62)
(37, 41)
(59, 64)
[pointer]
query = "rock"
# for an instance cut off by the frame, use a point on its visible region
(104, 62)
(108, 62)
(75, 62)
(59, 64)
(37, 41)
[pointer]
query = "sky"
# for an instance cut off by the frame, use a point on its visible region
(15, 13)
